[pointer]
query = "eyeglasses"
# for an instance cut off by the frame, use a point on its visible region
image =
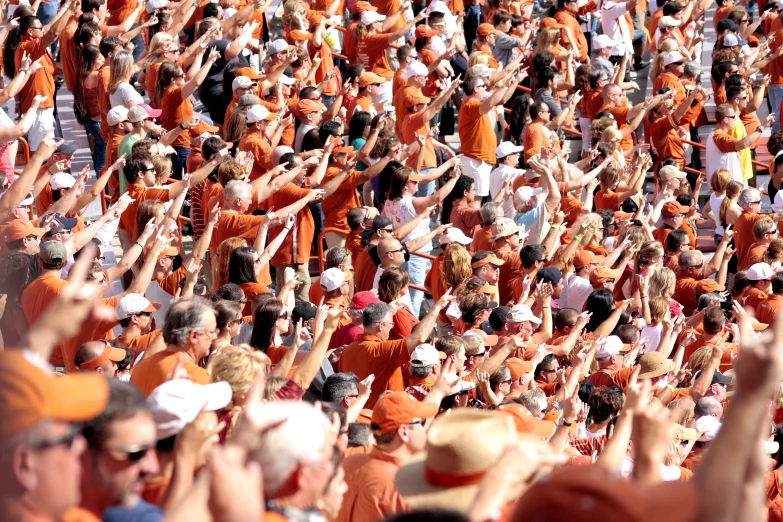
(387, 230)
(284, 315)
(754, 202)
(148, 169)
(384, 323)
(144, 314)
(697, 266)
(130, 454)
(63, 440)
(482, 354)
(610, 280)
(395, 251)
(31, 236)
(554, 370)
(541, 260)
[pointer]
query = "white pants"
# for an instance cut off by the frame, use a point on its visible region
(44, 121)
(479, 171)
(587, 137)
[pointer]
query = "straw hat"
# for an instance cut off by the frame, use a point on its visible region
(654, 365)
(460, 448)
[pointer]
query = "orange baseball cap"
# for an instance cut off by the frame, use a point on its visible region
(585, 257)
(602, 274)
(109, 353)
(705, 286)
(593, 494)
(20, 229)
(398, 408)
(249, 72)
(308, 106)
(29, 395)
(414, 99)
(486, 30)
(526, 422)
(364, 6)
(415, 177)
(672, 208)
(422, 31)
(518, 367)
(550, 22)
(491, 259)
(343, 149)
(300, 36)
(370, 78)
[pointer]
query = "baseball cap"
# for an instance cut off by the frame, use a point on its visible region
(520, 313)
(370, 17)
(62, 222)
(422, 31)
(602, 274)
(424, 355)
(497, 318)
(550, 22)
(481, 70)
(287, 80)
(248, 72)
(133, 304)
(308, 106)
(117, 115)
(672, 208)
(486, 30)
(278, 46)
(524, 193)
(585, 257)
(602, 41)
(258, 113)
(507, 149)
(21, 228)
(732, 40)
(612, 346)
(673, 57)
(247, 100)
(518, 367)
(399, 408)
(68, 148)
(300, 36)
(549, 274)
(668, 21)
(415, 98)
(760, 272)
(370, 78)
(62, 180)
(53, 252)
(361, 7)
(705, 286)
(29, 394)
(362, 299)
(415, 69)
(241, 82)
(332, 279)
(379, 222)
(154, 5)
(152, 113)
(731, 25)
(525, 421)
(670, 172)
(109, 353)
(304, 311)
(488, 340)
(489, 260)
(137, 114)
(176, 403)
(455, 235)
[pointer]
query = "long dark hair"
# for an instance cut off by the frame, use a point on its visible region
(359, 122)
(241, 266)
(87, 58)
(13, 39)
(17, 269)
(519, 117)
(462, 186)
(166, 74)
(399, 179)
(264, 321)
(601, 304)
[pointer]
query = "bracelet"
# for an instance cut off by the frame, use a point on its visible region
(140, 245)
(23, 69)
(670, 387)
(642, 296)
(181, 126)
(577, 238)
(565, 423)
(543, 307)
(556, 227)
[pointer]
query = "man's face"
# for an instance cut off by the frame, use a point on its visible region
(471, 361)
(572, 6)
(718, 391)
(207, 334)
(147, 175)
(741, 101)
(36, 29)
(385, 326)
(459, 360)
(349, 399)
(144, 321)
(396, 255)
(373, 91)
(314, 477)
(557, 290)
(416, 435)
(549, 374)
(31, 244)
(120, 467)
(489, 273)
(53, 457)
(385, 232)
(65, 158)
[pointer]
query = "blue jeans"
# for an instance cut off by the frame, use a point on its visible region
(46, 13)
(417, 271)
(471, 23)
(775, 94)
(318, 220)
(426, 189)
(93, 128)
(179, 162)
(327, 101)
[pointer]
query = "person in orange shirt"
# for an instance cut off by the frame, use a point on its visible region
(99, 357)
(750, 202)
(399, 425)
(764, 231)
(596, 80)
(262, 137)
(373, 353)
(767, 310)
(336, 289)
(672, 215)
(35, 44)
(760, 278)
(540, 133)
(189, 331)
(134, 312)
(310, 115)
(608, 197)
(368, 97)
(33, 401)
(566, 14)
(21, 236)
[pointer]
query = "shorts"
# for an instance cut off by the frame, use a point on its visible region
(479, 171)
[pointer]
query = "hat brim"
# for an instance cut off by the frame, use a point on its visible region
(68, 149)
(77, 397)
(154, 113)
(420, 494)
(657, 373)
(217, 394)
(515, 150)
(153, 307)
(116, 354)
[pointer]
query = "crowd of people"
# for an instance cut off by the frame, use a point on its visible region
(349, 269)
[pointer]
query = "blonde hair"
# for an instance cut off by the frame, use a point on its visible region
(205, 25)
(687, 413)
(665, 46)
(658, 307)
(778, 397)
(590, 224)
(162, 166)
(611, 134)
(121, 70)
(720, 180)
(578, 347)
(290, 8)
(224, 251)
(456, 265)
(238, 366)
(568, 262)
(700, 358)
(636, 235)
(478, 58)
(273, 385)
(663, 279)
(159, 41)
(547, 39)
(599, 125)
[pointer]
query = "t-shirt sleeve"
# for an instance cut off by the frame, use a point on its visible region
(170, 283)
(724, 142)
(153, 193)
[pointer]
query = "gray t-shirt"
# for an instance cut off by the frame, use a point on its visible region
(124, 94)
(504, 48)
(599, 62)
(542, 95)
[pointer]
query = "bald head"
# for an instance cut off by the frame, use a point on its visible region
(90, 351)
(390, 252)
(708, 407)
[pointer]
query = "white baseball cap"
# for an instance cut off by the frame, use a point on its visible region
(732, 40)
(133, 304)
(370, 17)
(602, 41)
(520, 313)
(278, 46)
(709, 426)
(117, 115)
(62, 180)
(670, 172)
(177, 403)
(241, 82)
(524, 193)
(507, 149)
(760, 272)
(672, 57)
(612, 346)
(415, 69)
(455, 235)
(668, 21)
(258, 113)
(153, 5)
(424, 355)
(481, 70)
(287, 80)
(332, 279)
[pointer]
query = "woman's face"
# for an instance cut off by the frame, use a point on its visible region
(99, 62)
(283, 323)
(404, 291)
(234, 327)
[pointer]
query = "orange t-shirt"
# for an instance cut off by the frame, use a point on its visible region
(755, 255)
(36, 298)
(685, 294)
(721, 13)
(42, 82)
(481, 239)
(512, 269)
(593, 103)
(404, 321)
(371, 493)
(767, 310)
(68, 60)
(257, 144)
(371, 52)
(251, 290)
(364, 270)
(104, 102)
(476, 133)
(175, 111)
(621, 377)
(139, 193)
(349, 42)
(569, 19)
(139, 343)
(667, 141)
(360, 104)
(388, 8)
(243, 226)
(155, 370)
(119, 10)
(92, 330)
(296, 246)
(327, 64)
(534, 139)
(743, 232)
(352, 243)
(398, 99)
(621, 117)
(370, 355)
(606, 200)
(343, 200)
(413, 125)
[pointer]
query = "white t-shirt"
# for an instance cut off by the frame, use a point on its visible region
(715, 203)
(401, 211)
(125, 93)
(156, 294)
(576, 290)
(652, 334)
(496, 179)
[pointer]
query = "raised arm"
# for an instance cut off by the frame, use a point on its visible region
(422, 333)
(20, 188)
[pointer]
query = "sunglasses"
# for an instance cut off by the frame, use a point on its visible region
(395, 251)
(482, 354)
(550, 371)
(284, 315)
(144, 314)
(132, 454)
